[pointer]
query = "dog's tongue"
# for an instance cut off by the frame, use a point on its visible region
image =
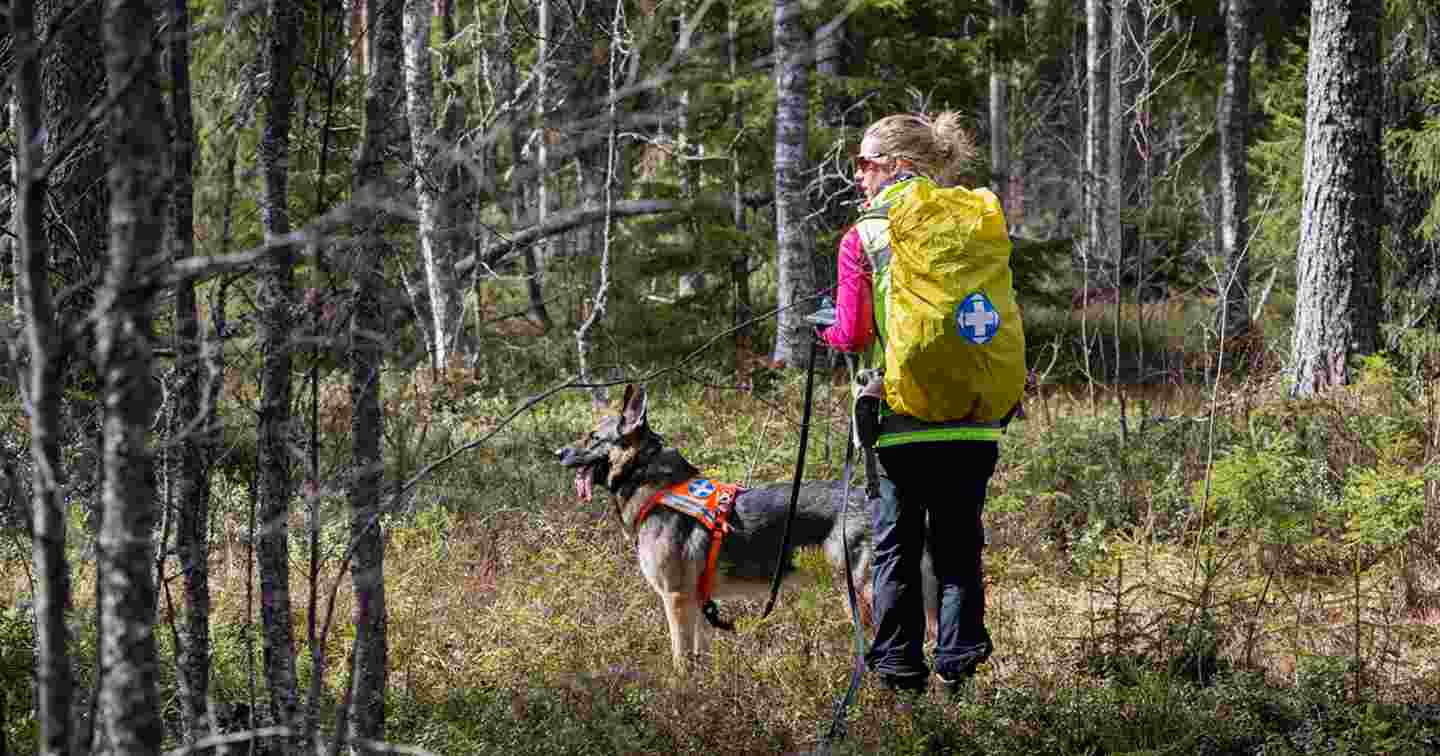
(583, 485)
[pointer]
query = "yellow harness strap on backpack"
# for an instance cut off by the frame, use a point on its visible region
(955, 346)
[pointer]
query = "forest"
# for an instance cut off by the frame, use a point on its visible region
(301, 297)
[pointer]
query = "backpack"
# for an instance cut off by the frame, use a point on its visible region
(954, 341)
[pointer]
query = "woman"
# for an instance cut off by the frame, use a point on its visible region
(931, 490)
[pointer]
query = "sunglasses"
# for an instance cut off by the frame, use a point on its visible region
(863, 162)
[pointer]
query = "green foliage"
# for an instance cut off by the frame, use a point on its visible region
(1383, 505)
(1077, 483)
(17, 665)
(1277, 174)
(1155, 341)
(906, 52)
(1265, 484)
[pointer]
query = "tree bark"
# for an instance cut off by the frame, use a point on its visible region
(53, 679)
(387, 24)
(794, 244)
(999, 101)
(458, 195)
(7, 194)
(1336, 314)
(191, 425)
(1126, 28)
(129, 694)
(275, 298)
(1234, 127)
(740, 262)
(535, 254)
(73, 81)
(430, 171)
(1097, 115)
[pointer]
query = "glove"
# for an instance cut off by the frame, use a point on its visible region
(867, 412)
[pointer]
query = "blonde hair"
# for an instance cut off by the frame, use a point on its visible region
(940, 147)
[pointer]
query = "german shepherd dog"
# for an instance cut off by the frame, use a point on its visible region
(623, 455)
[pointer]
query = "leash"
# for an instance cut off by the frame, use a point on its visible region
(838, 720)
(795, 486)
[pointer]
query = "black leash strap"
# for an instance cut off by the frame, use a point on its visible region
(838, 721)
(795, 487)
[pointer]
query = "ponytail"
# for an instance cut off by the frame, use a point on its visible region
(940, 148)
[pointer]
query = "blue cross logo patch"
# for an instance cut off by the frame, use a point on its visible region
(977, 319)
(701, 488)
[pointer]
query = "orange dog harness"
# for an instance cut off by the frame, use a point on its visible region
(710, 503)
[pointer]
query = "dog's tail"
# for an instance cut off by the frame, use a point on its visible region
(712, 615)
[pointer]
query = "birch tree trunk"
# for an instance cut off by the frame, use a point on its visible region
(275, 297)
(794, 245)
(129, 694)
(190, 479)
(1097, 115)
(430, 173)
(53, 679)
(1233, 112)
(1126, 29)
(387, 19)
(1336, 312)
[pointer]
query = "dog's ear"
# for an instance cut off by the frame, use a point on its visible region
(632, 415)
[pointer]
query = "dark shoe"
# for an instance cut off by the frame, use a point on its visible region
(958, 688)
(958, 684)
(915, 685)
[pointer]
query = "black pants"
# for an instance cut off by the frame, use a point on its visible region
(945, 480)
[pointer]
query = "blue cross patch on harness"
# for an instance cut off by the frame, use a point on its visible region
(977, 319)
(701, 488)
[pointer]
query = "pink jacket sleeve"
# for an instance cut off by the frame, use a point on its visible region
(854, 324)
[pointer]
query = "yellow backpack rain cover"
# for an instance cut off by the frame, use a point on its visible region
(955, 346)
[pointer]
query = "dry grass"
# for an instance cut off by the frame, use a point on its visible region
(530, 629)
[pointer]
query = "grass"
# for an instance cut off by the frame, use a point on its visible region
(1126, 618)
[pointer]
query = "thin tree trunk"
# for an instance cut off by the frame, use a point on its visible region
(190, 477)
(430, 172)
(1234, 128)
(54, 683)
(130, 695)
(794, 245)
(458, 187)
(999, 101)
(740, 263)
(692, 281)
(73, 81)
(535, 254)
(1336, 297)
(383, 94)
(7, 198)
(1097, 116)
(274, 298)
(1123, 173)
